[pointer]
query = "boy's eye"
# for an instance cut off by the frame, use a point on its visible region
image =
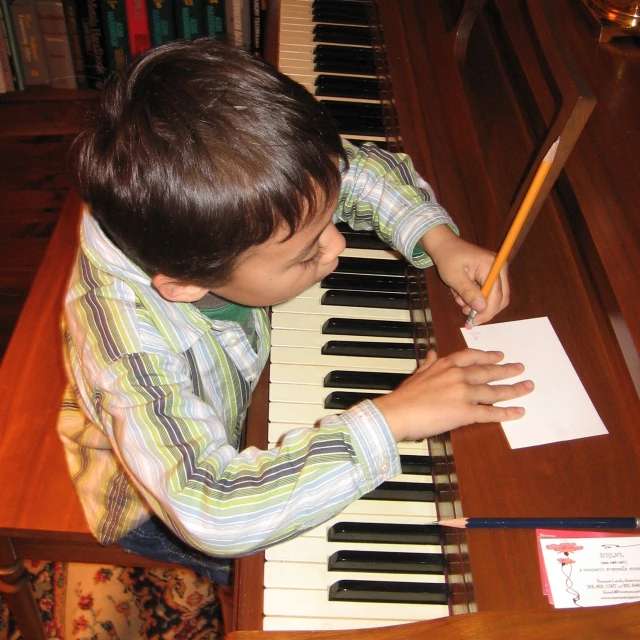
(313, 260)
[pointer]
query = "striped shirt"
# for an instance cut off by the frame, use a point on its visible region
(152, 419)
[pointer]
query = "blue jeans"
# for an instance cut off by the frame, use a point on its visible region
(155, 540)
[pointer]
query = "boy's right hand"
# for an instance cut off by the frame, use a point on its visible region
(446, 393)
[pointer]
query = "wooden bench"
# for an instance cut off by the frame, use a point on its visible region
(40, 514)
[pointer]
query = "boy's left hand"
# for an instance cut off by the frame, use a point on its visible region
(464, 267)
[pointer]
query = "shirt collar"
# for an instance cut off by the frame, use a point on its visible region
(181, 324)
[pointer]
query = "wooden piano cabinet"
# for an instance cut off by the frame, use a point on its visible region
(605, 623)
(578, 264)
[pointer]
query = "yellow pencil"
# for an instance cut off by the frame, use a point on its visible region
(516, 226)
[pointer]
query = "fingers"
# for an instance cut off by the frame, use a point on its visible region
(432, 356)
(470, 357)
(488, 413)
(498, 298)
(488, 394)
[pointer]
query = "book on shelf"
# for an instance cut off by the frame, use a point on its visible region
(162, 21)
(55, 44)
(190, 19)
(29, 41)
(215, 19)
(74, 32)
(114, 20)
(15, 61)
(93, 38)
(238, 19)
(7, 82)
(137, 26)
(258, 10)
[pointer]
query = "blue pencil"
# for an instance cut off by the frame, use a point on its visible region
(542, 523)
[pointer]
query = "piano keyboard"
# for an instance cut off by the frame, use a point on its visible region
(380, 561)
(332, 57)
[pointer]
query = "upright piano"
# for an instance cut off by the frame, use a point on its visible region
(474, 91)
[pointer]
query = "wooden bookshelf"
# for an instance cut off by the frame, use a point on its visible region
(37, 127)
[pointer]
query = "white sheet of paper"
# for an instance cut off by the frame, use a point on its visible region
(559, 408)
(591, 572)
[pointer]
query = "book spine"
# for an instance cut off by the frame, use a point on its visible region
(30, 46)
(215, 19)
(6, 77)
(137, 26)
(256, 26)
(190, 19)
(55, 43)
(75, 40)
(115, 28)
(14, 55)
(162, 21)
(238, 14)
(93, 38)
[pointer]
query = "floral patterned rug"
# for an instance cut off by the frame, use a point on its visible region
(95, 602)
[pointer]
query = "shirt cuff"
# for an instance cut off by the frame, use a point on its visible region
(425, 217)
(375, 446)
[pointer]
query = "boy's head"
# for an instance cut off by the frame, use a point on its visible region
(198, 153)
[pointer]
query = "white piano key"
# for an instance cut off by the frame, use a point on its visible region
(305, 357)
(301, 322)
(397, 508)
(377, 254)
(306, 393)
(307, 575)
(314, 375)
(312, 340)
(309, 305)
(288, 623)
(305, 414)
(377, 518)
(314, 603)
(303, 549)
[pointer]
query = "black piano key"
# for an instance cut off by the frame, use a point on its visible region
(385, 533)
(416, 465)
(342, 400)
(364, 110)
(364, 380)
(358, 349)
(386, 562)
(347, 87)
(341, 34)
(364, 240)
(354, 14)
(358, 327)
(371, 265)
(360, 282)
(403, 492)
(357, 118)
(397, 592)
(375, 299)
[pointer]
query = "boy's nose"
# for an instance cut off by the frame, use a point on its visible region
(334, 244)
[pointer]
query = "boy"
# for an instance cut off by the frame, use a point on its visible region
(212, 185)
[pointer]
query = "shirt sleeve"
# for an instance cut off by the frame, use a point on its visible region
(175, 449)
(381, 191)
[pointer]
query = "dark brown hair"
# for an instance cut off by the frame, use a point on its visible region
(198, 152)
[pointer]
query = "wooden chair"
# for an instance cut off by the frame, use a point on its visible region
(40, 514)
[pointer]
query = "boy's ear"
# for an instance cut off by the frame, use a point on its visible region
(176, 291)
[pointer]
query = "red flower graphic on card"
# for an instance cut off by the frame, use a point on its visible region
(565, 547)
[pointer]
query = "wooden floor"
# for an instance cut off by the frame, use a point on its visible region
(36, 132)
